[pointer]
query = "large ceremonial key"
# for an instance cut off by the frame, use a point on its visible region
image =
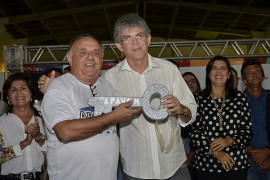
(105, 104)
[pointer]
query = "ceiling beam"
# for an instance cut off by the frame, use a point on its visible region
(15, 25)
(216, 7)
(60, 34)
(174, 16)
(61, 12)
(242, 33)
(73, 17)
(108, 21)
(28, 4)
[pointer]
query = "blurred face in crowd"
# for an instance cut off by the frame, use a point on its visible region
(253, 75)
(85, 58)
(192, 83)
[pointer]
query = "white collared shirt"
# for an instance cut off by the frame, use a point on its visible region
(31, 158)
(140, 146)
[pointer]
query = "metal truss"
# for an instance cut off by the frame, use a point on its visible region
(17, 56)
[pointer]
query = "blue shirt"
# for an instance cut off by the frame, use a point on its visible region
(258, 119)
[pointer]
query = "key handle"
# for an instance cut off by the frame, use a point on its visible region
(105, 104)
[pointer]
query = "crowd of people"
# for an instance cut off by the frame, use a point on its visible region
(216, 132)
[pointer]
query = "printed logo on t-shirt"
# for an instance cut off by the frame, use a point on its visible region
(86, 112)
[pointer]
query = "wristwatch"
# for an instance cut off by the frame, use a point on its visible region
(184, 110)
(41, 137)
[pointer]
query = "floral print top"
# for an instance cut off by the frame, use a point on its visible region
(6, 153)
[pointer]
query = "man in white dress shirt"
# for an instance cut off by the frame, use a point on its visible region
(150, 149)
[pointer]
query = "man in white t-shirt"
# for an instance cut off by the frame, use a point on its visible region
(81, 145)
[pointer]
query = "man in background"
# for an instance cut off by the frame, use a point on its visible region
(259, 149)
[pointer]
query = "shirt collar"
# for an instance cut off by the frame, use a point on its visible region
(152, 63)
(264, 93)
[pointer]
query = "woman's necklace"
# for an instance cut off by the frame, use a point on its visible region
(219, 111)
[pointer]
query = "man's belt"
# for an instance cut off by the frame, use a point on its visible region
(24, 176)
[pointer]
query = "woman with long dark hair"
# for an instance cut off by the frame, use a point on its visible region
(223, 128)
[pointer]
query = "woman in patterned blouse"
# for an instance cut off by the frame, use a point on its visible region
(22, 140)
(223, 126)
(6, 153)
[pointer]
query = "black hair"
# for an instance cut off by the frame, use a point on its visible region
(67, 68)
(196, 79)
(229, 89)
(234, 71)
(7, 84)
(251, 62)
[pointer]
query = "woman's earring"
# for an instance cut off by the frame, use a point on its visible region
(9, 103)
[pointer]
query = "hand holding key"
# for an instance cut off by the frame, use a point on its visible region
(125, 112)
(105, 104)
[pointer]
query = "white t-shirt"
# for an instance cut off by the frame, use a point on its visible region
(141, 140)
(31, 158)
(94, 158)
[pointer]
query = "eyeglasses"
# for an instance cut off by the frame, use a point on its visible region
(254, 73)
(93, 90)
(191, 82)
(138, 37)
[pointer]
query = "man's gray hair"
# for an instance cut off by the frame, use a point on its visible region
(127, 21)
